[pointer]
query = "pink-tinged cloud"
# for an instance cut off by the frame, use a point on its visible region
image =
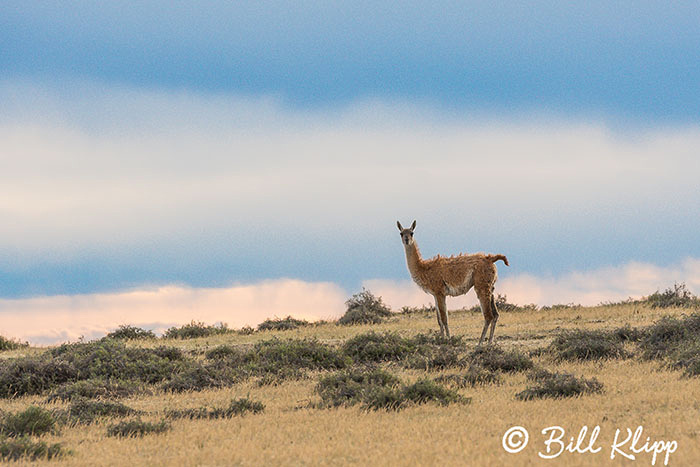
(49, 320)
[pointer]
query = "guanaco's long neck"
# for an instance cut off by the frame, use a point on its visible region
(413, 258)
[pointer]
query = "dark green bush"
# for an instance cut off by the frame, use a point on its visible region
(364, 308)
(236, 407)
(95, 389)
(588, 345)
(33, 375)
(128, 332)
(494, 358)
(678, 296)
(195, 329)
(10, 344)
(87, 411)
(375, 347)
(13, 449)
(474, 376)
(353, 386)
(558, 385)
(136, 427)
(666, 336)
(420, 392)
(32, 421)
(282, 324)
(198, 378)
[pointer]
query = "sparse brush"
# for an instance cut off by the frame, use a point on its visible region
(196, 329)
(96, 388)
(137, 427)
(420, 392)
(375, 347)
(129, 332)
(282, 324)
(23, 448)
(353, 386)
(474, 376)
(668, 335)
(237, 407)
(31, 421)
(82, 411)
(589, 345)
(365, 308)
(558, 385)
(420, 310)
(494, 358)
(677, 296)
(11, 344)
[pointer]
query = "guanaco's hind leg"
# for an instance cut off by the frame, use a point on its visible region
(494, 310)
(442, 314)
(485, 296)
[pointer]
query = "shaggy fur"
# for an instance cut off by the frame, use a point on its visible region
(452, 276)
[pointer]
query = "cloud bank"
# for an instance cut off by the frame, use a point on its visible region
(106, 188)
(50, 320)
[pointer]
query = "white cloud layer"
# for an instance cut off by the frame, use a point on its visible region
(50, 320)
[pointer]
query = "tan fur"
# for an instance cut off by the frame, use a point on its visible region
(452, 276)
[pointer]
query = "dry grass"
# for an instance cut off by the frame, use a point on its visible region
(291, 431)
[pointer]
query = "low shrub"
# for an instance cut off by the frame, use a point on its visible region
(23, 448)
(195, 329)
(668, 335)
(199, 377)
(420, 392)
(95, 388)
(86, 410)
(494, 358)
(128, 332)
(677, 296)
(136, 427)
(364, 308)
(558, 385)
(588, 345)
(282, 324)
(10, 344)
(31, 421)
(420, 310)
(374, 347)
(237, 407)
(474, 376)
(353, 386)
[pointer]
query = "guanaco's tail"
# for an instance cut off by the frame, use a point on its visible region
(495, 258)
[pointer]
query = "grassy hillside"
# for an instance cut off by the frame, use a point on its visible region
(387, 393)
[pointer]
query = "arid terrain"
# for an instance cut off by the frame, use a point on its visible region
(387, 393)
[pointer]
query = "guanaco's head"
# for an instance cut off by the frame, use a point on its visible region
(406, 234)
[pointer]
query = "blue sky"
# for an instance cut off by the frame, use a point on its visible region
(218, 143)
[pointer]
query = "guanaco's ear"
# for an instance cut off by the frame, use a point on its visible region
(413, 226)
(398, 224)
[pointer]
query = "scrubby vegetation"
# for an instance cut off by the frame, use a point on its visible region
(24, 448)
(557, 385)
(9, 344)
(374, 388)
(131, 332)
(136, 427)
(95, 388)
(196, 329)
(494, 358)
(82, 411)
(31, 421)
(590, 345)
(236, 407)
(282, 324)
(475, 375)
(677, 296)
(365, 308)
